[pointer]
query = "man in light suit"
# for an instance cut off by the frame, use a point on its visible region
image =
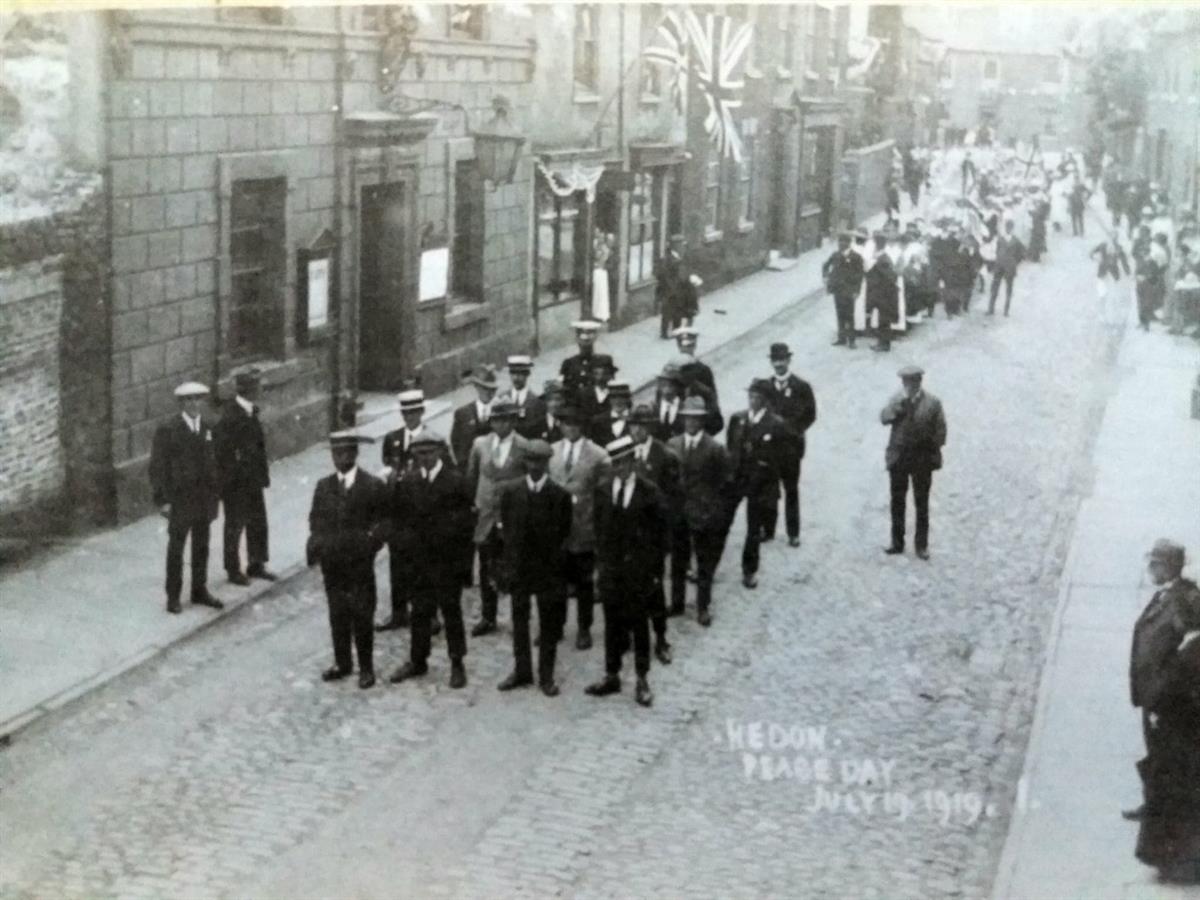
(705, 488)
(914, 452)
(579, 465)
(496, 461)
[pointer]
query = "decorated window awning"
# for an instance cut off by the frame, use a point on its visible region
(566, 172)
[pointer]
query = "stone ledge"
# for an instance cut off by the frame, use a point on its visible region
(462, 314)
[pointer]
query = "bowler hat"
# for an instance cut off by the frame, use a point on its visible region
(760, 386)
(603, 360)
(538, 449)
(780, 351)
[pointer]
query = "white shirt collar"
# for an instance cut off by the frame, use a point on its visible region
(482, 410)
(692, 440)
(433, 473)
(779, 379)
(519, 396)
(536, 486)
(244, 404)
(755, 416)
(347, 478)
(601, 393)
(625, 487)
(192, 424)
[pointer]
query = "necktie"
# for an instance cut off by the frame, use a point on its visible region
(570, 457)
(618, 497)
(665, 413)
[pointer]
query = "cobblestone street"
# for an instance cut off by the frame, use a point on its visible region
(225, 768)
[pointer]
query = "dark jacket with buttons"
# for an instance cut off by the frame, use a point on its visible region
(346, 529)
(797, 406)
(183, 470)
(630, 543)
(536, 528)
(241, 451)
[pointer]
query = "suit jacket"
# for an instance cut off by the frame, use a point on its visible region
(241, 451)
(674, 291)
(698, 382)
(704, 482)
(664, 431)
(590, 469)
(630, 542)
(400, 459)
(433, 521)
(1154, 659)
(487, 480)
(603, 431)
(576, 373)
(661, 467)
(918, 432)
(467, 426)
(536, 530)
(592, 406)
(346, 530)
(961, 268)
(797, 406)
(183, 470)
(1111, 261)
(882, 291)
(1009, 253)
(756, 453)
(531, 415)
(843, 274)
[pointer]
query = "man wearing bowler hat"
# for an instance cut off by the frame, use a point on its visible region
(531, 409)
(245, 473)
(536, 517)
(613, 423)
(843, 274)
(553, 399)
(914, 453)
(576, 371)
(496, 461)
(185, 486)
(757, 442)
(675, 290)
(668, 402)
(630, 533)
(792, 399)
(883, 293)
(348, 524)
(431, 506)
(597, 400)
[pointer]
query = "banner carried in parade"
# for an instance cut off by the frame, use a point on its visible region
(714, 47)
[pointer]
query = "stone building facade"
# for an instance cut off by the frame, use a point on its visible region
(1170, 136)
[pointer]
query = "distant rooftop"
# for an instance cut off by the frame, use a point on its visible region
(1014, 28)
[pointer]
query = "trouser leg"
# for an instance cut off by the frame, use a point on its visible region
(362, 623)
(708, 546)
(489, 558)
(449, 600)
(921, 483)
(753, 537)
(996, 278)
(659, 617)
(615, 639)
(552, 608)
(396, 581)
(424, 602)
(236, 513)
(580, 569)
(639, 625)
(681, 554)
(341, 627)
(1009, 277)
(522, 651)
(199, 531)
(177, 531)
(791, 493)
(899, 489)
(257, 544)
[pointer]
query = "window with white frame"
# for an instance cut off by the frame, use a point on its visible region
(712, 195)
(646, 215)
(561, 247)
(651, 81)
(257, 253)
(587, 74)
(746, 173)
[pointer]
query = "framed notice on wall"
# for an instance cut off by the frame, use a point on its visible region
(314, 289)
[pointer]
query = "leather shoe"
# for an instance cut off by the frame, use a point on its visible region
(513, 681)
(239, 579)
(643, 695)
(840, 342)
(766, 538)
(1135, 814)
(262, 573)
(482, 627)
(207, 599)
(609, 684)
(393, 623)
(583, 641)
(662, 652)
(173, 606)
(704, 618)
(793, 542)
(549, 688)
(458, 675)
(366, 680)
(334, 674)
(749, 581)
(676, 609)
(893, 550)
(406, 671)
(923, 553)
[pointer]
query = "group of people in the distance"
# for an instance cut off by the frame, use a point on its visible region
(577, 492)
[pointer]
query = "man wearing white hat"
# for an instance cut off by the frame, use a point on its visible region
(183, 478)
(531, 409)
(576, 371)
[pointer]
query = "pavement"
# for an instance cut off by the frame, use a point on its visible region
(104, 594)
(1067, 838)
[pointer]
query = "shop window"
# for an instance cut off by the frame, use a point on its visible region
(257, 254)
(651, 73)
(786, 19)
(465, 21)
(466, 263)
(561, 247)
(646, 204)
(587, 81)
(746, 173)
(712, 196)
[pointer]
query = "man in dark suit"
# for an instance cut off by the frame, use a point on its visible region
(630, 526)
(791, 399)
(657, 464)
(531, 409)
(553, 398)
(843, 274)
(348, 524)
(675, 290)
(914, 453)
(471, 419)
(576, 371)
(242, 463)
(431, 506)
(883, 293)
(704, 484)
(1009, 253)
(613, 423)
(597, 400)
(398, 459)
(687, 339)
(757, 441)
(535, 516)
(184, 482)
(667, 403)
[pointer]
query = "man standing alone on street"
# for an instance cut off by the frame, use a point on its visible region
(914, 452)
(756, 443)
(792, 399)
(184, 482)
(843, 274)
(1164, 676)
(1009, 253)
(242, 463)
(675, 290)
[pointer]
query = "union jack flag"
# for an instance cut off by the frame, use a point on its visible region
(715, 47)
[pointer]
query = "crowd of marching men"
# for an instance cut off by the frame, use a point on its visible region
(576, 493)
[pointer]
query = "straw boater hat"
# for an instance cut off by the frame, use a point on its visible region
(191, 389)
(621, 447)
(348, 438)
(911, 372)
(586, 325)
(685, 331)
(427, 439)
(619, 389)
(693, 406)
(520, 363)
(411, 400)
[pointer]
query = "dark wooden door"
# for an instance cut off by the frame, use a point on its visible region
(381, 287)
(825, 174)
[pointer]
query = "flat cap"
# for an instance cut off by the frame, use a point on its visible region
(622, 446)
(349, 439)
(603, 360)
(427, 439)
(911, 372)
(685, 331)
(191, 389)
(520, 361)
(1167, 551)
(553, 386)
(247, 376)
(586, 325)
(538, 449)
(504, 408)
(693, 406)
(484, 376)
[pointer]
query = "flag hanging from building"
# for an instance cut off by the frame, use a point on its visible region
(714, 48)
